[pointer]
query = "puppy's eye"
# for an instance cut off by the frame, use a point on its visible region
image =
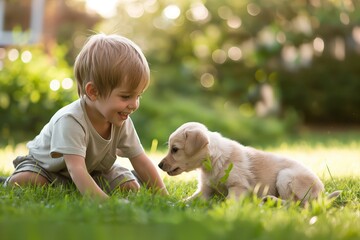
(174, 150)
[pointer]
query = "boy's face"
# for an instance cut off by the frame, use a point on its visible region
(117, 107)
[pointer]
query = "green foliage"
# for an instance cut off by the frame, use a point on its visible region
(26, 101)
(210, 64)
(224, 178)
(230, 49)
(158, 117)
(207, 164)
(332, 98)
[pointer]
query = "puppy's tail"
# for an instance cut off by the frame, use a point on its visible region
(334, 195)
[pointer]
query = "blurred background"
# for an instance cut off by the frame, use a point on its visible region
(257, 71)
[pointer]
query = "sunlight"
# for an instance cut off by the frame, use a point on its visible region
(172, 12)
(26, 56)
(219, 56)
(106, 10)
(318, 45)
(356, 34)
(198, 12)
(13, 54)
(234, 22)
(207, 80)
(135, 10)
(55, 85)
(235, 53)
(253, 9)
(67, 83)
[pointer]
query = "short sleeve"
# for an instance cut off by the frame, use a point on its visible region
(69, 137)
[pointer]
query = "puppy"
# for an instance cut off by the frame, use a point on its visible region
(232, 170)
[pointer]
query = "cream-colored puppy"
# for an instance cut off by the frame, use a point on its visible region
(231, 169)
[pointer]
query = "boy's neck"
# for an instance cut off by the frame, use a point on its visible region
(103, 128)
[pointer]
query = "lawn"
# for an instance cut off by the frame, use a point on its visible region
(61, 213)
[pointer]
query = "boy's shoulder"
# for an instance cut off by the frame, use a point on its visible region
(73, 109)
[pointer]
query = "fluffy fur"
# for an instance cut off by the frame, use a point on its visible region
(231, 169)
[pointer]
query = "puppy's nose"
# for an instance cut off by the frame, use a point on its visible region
(161, 165)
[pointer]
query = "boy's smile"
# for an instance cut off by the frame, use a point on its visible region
(124, 116)
(115, 108)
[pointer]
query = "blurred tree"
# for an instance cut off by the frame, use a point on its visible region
(32, 88)
(235, 48)
(248, 69)
(37, 80)
(65, 22)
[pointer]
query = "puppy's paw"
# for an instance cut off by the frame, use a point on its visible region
(334, 195)
(273, 200)
(190, 199)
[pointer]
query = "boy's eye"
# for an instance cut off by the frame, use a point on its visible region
(129, 96)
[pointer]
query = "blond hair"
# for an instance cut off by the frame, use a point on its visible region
(110, 61)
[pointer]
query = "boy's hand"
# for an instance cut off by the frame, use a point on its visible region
(148, 173)
(82, 179)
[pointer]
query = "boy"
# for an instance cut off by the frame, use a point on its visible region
(82, 140)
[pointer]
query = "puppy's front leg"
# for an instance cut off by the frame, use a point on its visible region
(234, 192)
(192, 197)
(203, 192)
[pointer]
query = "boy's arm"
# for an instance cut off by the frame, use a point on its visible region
(148, 173)
(82, 179)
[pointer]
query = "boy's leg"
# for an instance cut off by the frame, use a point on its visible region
(117, 178)
(29, 172)
(27, 178)
(131, 185)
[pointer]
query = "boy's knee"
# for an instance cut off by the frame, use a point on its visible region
(132, 185)
(27, 178)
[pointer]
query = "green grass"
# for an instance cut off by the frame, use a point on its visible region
(61, 213)
(37, 213)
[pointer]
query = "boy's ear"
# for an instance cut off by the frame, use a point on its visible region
(91, 91)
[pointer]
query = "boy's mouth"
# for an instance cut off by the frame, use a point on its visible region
(124, 116)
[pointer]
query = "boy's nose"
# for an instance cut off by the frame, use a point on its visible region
(133, 105)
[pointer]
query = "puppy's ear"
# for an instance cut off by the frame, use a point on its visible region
(194, 141)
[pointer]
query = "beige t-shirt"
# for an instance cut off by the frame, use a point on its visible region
(71, 132)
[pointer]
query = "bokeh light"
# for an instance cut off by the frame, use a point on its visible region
(2, 53)
(219, 56)
(67, 83)
(235, 53)
(172, 12)
(207, 80)
(356, 34)
(26, 56)
(253, 9)
(234, 22)
(13, 54)
(198, 12)
(106, 10)
(135, 9)
(55, 85)
(318, 45)
(224, 12)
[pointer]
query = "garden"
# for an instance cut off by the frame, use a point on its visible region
(281, 76)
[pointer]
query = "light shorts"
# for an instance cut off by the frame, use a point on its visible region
(107, 181)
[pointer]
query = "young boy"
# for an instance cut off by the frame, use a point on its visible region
(82, 140)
